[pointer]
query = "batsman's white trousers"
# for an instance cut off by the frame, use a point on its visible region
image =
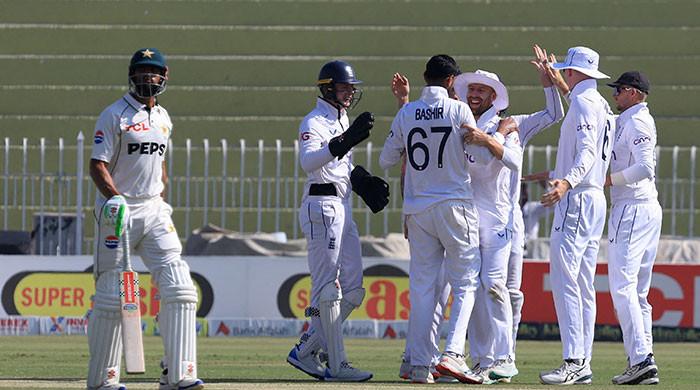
(491, 324)
(333, 244)
(579, 219)
(152, 235)
(633, 233)
(447, 232)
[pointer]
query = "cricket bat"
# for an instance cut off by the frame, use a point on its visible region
(131, 314)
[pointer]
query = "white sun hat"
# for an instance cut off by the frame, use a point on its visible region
(486, 78)
(584, 60)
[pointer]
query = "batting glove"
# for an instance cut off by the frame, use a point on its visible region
(116, 213)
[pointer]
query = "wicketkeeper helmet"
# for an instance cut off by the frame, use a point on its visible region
(337, 72)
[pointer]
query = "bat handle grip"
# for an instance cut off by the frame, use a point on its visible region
(125, 247)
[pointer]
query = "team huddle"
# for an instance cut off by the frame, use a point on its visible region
(461, 160)
(461, 177)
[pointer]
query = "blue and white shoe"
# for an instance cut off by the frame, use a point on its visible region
(185, 384)
(643, 373)
(309, 364)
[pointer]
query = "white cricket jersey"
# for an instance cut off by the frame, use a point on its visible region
(491, 181)
(585, 141)
(133, 141)
(429, 130)
(317, 128)
(530, 125)
(634, 156)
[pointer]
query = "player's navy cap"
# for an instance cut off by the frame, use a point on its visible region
(634, 79)
(441, 66)
(148, 56)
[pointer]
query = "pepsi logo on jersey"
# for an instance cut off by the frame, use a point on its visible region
(146, 148)
(99, 137)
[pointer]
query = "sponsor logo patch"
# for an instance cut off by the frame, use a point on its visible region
(99, 136)
(111, 242)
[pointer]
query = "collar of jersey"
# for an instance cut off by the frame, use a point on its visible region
(329, 109)
(625, 115)
(491, 115)
(133, 102)
(432, 92)
(583, 86)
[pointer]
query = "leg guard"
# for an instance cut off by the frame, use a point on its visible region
(177, 321)
(329, 312)
(105, 333)
(311, 341)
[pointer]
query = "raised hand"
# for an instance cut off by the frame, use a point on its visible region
(400, 88)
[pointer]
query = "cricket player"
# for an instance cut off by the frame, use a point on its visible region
(441, 218)
(634, 226)
(400, 88)
(326, 139)
(496, 190)
(583, 156)
(128, 168)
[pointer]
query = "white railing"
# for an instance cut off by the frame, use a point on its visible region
(244, 188)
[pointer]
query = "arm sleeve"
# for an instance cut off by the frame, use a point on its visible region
(642, 142)
(512, 152)
(105, 137)
(480, 154)
(393, 146)
(587, 132)
(533, 124)
(313, 153)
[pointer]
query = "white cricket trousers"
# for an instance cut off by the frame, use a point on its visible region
(447, 232)
(579, 219)
(333, 244)
(491, 324)
(515, 272)
(633, 233)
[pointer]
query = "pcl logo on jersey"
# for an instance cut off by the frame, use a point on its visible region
(99, 137)
(111, 242)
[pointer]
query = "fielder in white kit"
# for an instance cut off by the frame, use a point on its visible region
(634, 226)
(128, 168)
(583, 156)
(401, 89)
(491, 330)
(333, 243)
(441, 218)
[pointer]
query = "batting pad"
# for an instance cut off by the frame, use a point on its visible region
(350, 301)
(177, 321)
(105, 344)
(329, 310)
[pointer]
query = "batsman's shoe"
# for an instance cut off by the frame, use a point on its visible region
(503, 369)
(643, 373)
(569, 373)
(421, 374)
(347, 373)
(405, 369)
(453, 364)
(185, 384)
(309, 364)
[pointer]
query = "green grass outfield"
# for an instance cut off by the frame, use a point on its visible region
(259, 363)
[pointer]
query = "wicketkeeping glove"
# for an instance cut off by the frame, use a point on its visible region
(372, 189)
(116, 213)
(356, 133)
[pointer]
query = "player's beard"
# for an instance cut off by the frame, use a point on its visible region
(481, 108)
